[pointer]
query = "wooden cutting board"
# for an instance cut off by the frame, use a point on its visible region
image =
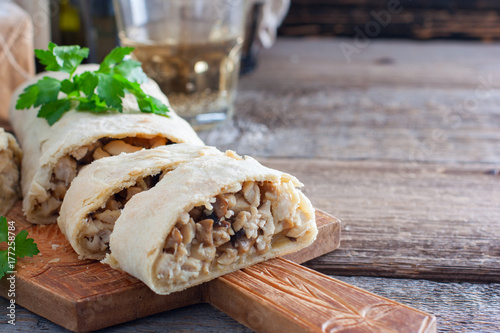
(277, 295)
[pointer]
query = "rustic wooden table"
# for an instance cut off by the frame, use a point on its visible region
(402, 143)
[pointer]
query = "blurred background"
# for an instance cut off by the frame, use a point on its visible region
(91, 23)
(351, 24)
(420, 19)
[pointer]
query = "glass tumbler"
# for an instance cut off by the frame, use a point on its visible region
(191, 48)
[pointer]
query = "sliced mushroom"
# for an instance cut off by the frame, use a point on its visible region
(220, 206)
(65, 169)
(228, 257)
(241, 220)
(221, 236)
(131, 191)
(99, 153)
(251, 193)
(116, 147)
(113, 204)
(108, 216)
(60, 190)
(173, 241)
(191, 265)
(50, 206)
(204, 230)
(158, 141)
(188, 232)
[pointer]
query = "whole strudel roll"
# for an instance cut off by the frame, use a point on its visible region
(10, 160)
(97, 195)
(211, 216)
(55, 154)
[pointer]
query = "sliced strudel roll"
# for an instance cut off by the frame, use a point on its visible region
(211, 216)
(101, 190)
(55, 154)
(10, 161)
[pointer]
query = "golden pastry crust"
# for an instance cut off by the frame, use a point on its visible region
(10, 161)
(92, 190)
(45, 145)
(150, 241)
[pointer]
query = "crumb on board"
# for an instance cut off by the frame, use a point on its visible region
(54, 260)
(55, 246)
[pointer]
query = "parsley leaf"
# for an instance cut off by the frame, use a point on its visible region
(115, 56)
(93, 104)
(44, 91)
(4, 263)
(22, 245)
(69, 57)
(48, 59)
(110, 90)
(131, 70)
(53, 111)
(4, 229)
(67, 86)
(153, 105)
(48, 90)
(98, 92)
(87, 83)
(25, 247)
(28, 97)
(62, 58)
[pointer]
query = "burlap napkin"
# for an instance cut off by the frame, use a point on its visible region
(16, 52)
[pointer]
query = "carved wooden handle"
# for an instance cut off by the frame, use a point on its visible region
(281, 296)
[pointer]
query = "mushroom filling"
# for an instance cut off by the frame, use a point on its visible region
(9, 177)
(230, 227)
(100, 223)
(68, 166)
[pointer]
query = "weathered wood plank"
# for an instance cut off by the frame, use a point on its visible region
(426, 209)
(463, 4)
(405, 22)
(281, 296)
(406, 101)
(459, 307)
(380, 123)
(430, 221)
(406, 19)
(320, 62)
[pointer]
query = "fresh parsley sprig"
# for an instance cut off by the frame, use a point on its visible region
(19, 246)
(99, 91)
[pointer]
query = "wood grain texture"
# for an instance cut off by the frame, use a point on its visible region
(297, 66)
(412, 125)
(458, 307)
(77, 293)
(462, 4)
(408, 19)
(279, 296)
(391, 147)
(409, 22)
(407, 220)
(435, 102)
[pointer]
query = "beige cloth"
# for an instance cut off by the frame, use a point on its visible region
(17, 62)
